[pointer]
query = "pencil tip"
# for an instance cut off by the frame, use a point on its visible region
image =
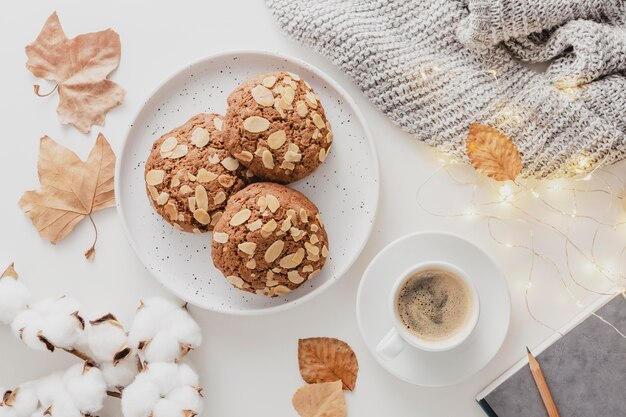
(527, 350)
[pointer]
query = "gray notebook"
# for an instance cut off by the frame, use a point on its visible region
(585, 370)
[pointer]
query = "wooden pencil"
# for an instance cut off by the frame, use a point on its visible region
(542, 385)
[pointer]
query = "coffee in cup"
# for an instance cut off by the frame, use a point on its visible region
(434, 304)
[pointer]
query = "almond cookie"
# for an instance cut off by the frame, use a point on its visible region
(276, 126)
(270, 240)
(189, 176)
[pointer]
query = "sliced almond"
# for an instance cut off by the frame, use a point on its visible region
(169, 144)
(179, 151)
(279, 109)
(200, 137)
(191, 177)
(292, 260)
(324, 251)
(177, 226)
(314, 274)
(287, 165)
(286, 225)
(185, 189)
(311, 248)
(214, 159)
(329, 136)
(154, 193)
(251, 264)
(317, 119)
(304, 216)
(313, 258)
(307, 268)
(262, 95)
(171, 211)
(314, 227)
(226, 181)
(288, 95)
(292, 156)
(202, 199)
(216, 217)
(298, 237)
(230, 163)
(255, 225)
(301, 108)
(281, 290)
(175, 182)
(314, 239)
(235, 280)
(220, 237)
(219, 198)
(271, 283)
(191, 201)
(294, 76)
(202, 216)
(262, 203)
(272, 202)
(273, 252)
(247, 247)
(155, 177)
(268, 159)
(316, 134)
(217, 122)
(269, 81)
(295, 232)
(162, 198)
(196, 230)
(205, 176)
(291, 213)
(276, 139)
(311, 99)
(240, 217)
(268, 228)
(295, 277)
(244, 156)
(322, 155)
(259, 151)
(256, 124)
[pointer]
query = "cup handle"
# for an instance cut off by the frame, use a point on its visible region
(391, 345)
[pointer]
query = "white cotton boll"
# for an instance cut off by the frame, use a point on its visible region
(50, 389)
(187, 376)
(62, 330)
(121, 374)
(149, 319)
(140, 397)
(162, 348)
(40, 412)
(14, 296)
(64, 305)
(166, 408)
(185, 328)
(186, 398)
(26, 326)
(86, 387)
(64, 408)
(105, 339)
(26, 401)
(164, 375)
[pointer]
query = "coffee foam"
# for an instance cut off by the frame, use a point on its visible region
(434, 304)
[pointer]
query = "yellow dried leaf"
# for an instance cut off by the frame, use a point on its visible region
(70, 188)
(324, 359)
(80, 67)
(320, 400)
(492, 153)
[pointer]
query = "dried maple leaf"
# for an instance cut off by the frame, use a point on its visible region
(493, 153)
(79, 66)
(70, 189)
(320, 400)
(324, 359)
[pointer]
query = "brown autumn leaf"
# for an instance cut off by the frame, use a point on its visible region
(80, 67)
(324, 359)
(492, 153)
(320, 400)
(70, 189)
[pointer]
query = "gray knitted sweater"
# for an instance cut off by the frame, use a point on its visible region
(436, 66)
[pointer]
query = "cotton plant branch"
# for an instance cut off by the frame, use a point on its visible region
(143, 366)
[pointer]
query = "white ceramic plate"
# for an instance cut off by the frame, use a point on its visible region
(435, 369)
(344, 187)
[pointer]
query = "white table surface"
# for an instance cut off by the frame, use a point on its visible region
(247, 364)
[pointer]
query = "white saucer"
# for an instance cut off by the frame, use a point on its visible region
(435, 369)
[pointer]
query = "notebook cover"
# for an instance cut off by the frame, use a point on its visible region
(585, 370)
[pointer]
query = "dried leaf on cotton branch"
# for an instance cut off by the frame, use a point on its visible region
(80, 67)
(70, 189)
(492, 153)
(320, 400)
(324, 359)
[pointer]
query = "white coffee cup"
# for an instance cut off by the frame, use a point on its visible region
(398, 337)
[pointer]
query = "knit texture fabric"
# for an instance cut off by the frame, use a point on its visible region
(437, 66)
